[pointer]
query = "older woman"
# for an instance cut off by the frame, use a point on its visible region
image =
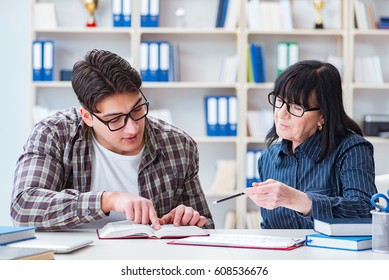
(322, 167)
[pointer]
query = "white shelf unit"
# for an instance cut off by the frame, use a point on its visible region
(202, 48)
(369, 98)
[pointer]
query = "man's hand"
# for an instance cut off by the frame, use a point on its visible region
(137, 209)
(183, 216)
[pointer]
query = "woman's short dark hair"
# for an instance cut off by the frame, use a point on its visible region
(101, 74)
(321, 80)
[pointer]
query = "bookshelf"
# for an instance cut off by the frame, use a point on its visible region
(202, 49)
(369, 98)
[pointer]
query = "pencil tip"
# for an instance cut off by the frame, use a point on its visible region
(214, 202)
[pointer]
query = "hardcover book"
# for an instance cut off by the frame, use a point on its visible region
(57, 244)
(353, 243)
(343, 226)
(15, 234)
(127, 229)
(10, 253)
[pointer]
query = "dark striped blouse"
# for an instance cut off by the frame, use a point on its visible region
(339, 186)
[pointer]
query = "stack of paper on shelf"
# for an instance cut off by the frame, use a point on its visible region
(337, 61)
(269, 15)
(162, 114)
(45, 16)
(224, 180)
(40, 112)
(229, 69)
(367, 69)
(259, 122)
(253, 219)
(230, 220)
(9, 234)
(364, 15)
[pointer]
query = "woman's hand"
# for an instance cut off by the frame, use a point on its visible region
(272, 194)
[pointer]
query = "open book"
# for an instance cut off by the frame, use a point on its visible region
(127, 229)
(243, 241)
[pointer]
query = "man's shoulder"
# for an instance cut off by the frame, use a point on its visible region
(63, 122)
(68, 115)
(166, 132)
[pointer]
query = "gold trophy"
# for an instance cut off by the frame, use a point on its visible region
(91, 6)
(319, 5)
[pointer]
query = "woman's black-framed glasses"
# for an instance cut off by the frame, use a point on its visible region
(138, 112)
(293, 109)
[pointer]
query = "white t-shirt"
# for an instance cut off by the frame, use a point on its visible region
(113, 172)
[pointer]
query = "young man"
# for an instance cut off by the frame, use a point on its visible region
(108, 160)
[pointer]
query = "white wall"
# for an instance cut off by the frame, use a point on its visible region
(14, 93)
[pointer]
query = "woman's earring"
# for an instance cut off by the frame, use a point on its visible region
(320, 127)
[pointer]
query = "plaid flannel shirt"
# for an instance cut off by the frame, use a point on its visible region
(53, 175)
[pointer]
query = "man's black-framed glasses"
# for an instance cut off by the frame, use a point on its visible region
(138, 112)
(293, 109)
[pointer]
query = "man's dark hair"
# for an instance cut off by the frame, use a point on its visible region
(321, 80)
(101, 74)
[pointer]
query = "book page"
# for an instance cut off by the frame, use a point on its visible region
(125, 228)
(171, 230)
(236, 240)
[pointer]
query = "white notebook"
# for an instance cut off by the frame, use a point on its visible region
(59, 245)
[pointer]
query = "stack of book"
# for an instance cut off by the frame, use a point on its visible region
(42, 60)
(122, 13)
(228, 14)
(255, 64)
(221, 115)
(342, 233)
(149, 13)
(384, 22)
(364, 15)
(159, 61)
(14, 234)
(10, 235)
(10, 253)
(288, 53)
